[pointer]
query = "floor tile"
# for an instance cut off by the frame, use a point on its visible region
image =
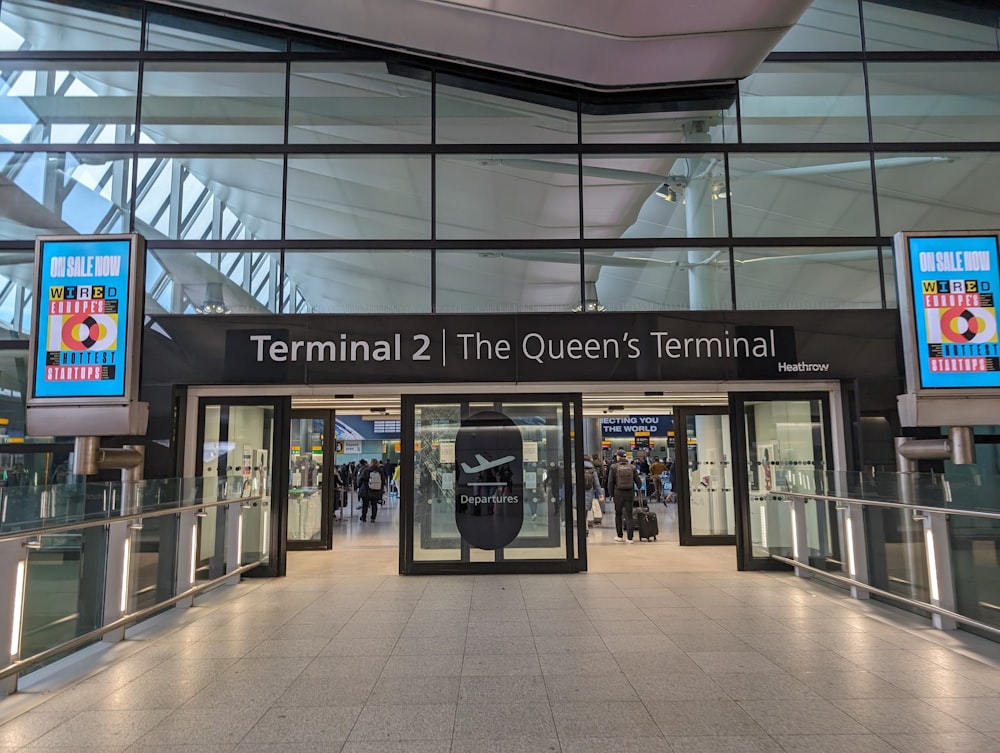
(833, 743)
(516, 720)
(801, 717)
(394, 722)
(615, 719)
(904, 715)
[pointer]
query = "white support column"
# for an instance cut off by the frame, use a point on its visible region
(939, 570)
(119, 543)
(13, 573)
(800, 541)
(186, 553)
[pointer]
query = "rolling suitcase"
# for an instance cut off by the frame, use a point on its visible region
(645, 524)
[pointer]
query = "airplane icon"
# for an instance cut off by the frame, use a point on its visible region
(484, 464)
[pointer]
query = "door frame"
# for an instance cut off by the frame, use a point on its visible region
(277, 563)
(683, 481)
(574, 526)
(737, 407)
(328, 486)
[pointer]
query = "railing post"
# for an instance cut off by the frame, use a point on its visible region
(187, 552)
(117, 565)
(13, 573)
(234, 539)
(853, 516)
(800, 539)
(939, 569)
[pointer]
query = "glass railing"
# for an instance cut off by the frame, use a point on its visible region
(89, 558)
(926, 541)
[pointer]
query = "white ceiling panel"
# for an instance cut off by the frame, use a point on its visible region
(598, 43)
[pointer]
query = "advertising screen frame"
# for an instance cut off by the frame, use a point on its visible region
(130, 315)
(916, 349)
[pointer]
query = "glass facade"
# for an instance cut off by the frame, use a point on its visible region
(236, 150)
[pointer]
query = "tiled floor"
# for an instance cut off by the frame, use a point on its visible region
(658, 648)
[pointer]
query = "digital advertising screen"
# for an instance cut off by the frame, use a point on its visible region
(82, 317)
(953, 281)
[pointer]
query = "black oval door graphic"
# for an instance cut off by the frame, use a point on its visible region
(489, 480)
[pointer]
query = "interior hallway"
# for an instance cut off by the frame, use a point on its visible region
(657, 648)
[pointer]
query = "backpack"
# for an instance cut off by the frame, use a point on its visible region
(374, 480)
(588, 478)
(624, 476)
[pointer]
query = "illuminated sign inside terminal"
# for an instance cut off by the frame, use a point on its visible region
(953, 283)
(82, 317)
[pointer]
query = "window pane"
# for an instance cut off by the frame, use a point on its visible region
(210, 198)
(66, 103)
(17, 271)
(167, 31)
(652, 279)
(656, 196)
(212, 282)
(826, 26)
(13, 372)
(226, 103)
(807, 278)
(358, 102)
(935, 101)
(889, 268)
(359, 282)
(804, 103)
(937, 191)
(651, 122)
(471, 112)
(359, 197)
(38, 25)
(812, 195)
(954, 27)
(60, 193)
(483, 196)
(521, 280)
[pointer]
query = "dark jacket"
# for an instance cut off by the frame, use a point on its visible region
(363, 486)
(613, 477)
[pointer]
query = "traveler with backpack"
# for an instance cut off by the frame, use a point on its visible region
(594, 491)
(371, 486)
(623, 479)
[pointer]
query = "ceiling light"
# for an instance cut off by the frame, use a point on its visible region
(667, 193)
(214, 302)
(719, 191)
(590, 303)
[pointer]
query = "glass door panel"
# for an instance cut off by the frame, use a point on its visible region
(238, 442)
(706, 493)
(787, 446)
(486, 488)
(310, 507)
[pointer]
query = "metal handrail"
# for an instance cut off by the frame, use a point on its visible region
(901, 505)
(889, 595)
(21, 665)
(95, 522)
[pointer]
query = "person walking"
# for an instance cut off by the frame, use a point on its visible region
(595, 492)
(656, 470)
(371, 486)
(623, 479)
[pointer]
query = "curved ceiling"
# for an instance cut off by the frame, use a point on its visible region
(593, 43)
